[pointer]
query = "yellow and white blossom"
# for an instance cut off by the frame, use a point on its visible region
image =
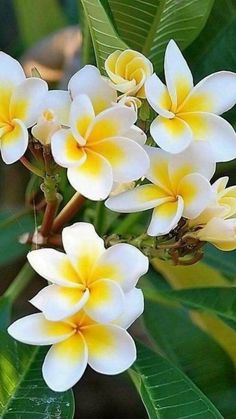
(54, 114)
(190, 113)
(128, 71)
(179, 188)
(77, 341)
(219, 232)
(20, 103)
(100, 149)
(87, 276)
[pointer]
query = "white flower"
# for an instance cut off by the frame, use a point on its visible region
(54, 114)
(188, 113)
(179, 188)
(78, 340)
(128, 71)
(20, 105)
(100, 149)
(219, 232)
(87, 276)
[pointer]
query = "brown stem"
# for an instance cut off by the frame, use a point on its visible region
(68, 212)
(31, 167)
(48, 217)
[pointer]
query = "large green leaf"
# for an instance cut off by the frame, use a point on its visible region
(11, 227)
(148, 25)
(195, 352)
(166, 391)
(105, 38)
(225, 263)
(23, 393)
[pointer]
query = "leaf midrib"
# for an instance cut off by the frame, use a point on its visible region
(148, 43)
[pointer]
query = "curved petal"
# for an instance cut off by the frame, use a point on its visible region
(215, 93)
(141, 198)
(54, 266)
(221, 233)
(173, 135)
(57, 302)
(83, 246)
(128, 159)
(94, 178)
(111, 350)
(215, 130)
(136, 134)
(88, 81)
(65, 363)
(117, 264)
(166, 217)
(106, 301)
(134, 307)
(195, 159)
(196, 192)
(27, 100)
(178, 76)
(58, 101)
(158, 96)
(158, 172)
(14, 143)
(81, 116)
(112, 122)
(36, 330)
(11, 72)
(110, 67)
(66, 150)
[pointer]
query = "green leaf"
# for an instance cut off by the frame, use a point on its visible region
(5, 312)
(147, 26)
(105, 38)
(223, 263)
(36, 19)
(11, 228)
(166, 391)
(23, 392)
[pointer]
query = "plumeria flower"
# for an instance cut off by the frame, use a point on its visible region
(78, 340)
(179, 188)
(188, 113)
(86, 276)
(128, 71)
(223, 204)
(54, 114)
(21, 99)
(89, 81)
(100, 149)
(219, 232)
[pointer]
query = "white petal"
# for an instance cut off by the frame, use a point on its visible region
(158, 172)
(65, 363)
(173, 135)
(83, 246)
(36, 330)
(14, 144)
(54, 266)
(166, 217)
(134, 307)
(81, 116)
(128, 159)
(57, 302)
(216, 93)
(59, 102)
(136, 134)
(27, 100)
(112, 122)
(106, 301)
(158, 96)
(178, 76)
(111, 350)
(93, 179)
(215, 130)
(122, 263)
(11, 72)
(88, 81)
(141, 198)
(66, 150)
(196, 192)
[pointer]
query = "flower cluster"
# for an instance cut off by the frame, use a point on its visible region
(91, 300)
(93, 130)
